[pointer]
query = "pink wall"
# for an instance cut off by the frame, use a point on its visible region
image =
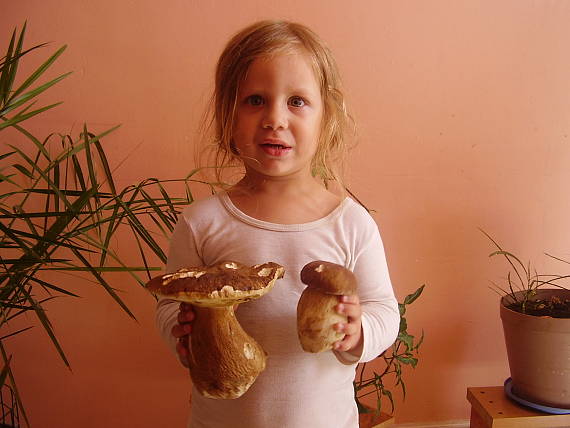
(463, 110)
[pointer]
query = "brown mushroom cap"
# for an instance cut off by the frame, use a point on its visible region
(329, 278)
(222, 284)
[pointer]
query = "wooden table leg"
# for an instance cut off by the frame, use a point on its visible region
(476, 420)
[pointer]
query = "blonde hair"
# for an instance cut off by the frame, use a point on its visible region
(267, 38)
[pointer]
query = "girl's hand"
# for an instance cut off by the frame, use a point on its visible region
(182, 330)
(349, 306)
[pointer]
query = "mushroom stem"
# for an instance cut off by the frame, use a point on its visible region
(316, 317)
(224, 359)
(316, 314)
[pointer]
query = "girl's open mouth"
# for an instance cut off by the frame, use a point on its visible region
(275, 149)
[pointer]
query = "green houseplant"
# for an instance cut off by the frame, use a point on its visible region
(59, 212)
(403, 353)
(535, 312)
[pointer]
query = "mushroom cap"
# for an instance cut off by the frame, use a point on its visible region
(222, 284)
(329, 278)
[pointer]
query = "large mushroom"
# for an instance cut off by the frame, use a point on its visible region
(224, 360)
(316, 314)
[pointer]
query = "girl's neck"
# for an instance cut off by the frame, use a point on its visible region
(261, 185)
(284, 201)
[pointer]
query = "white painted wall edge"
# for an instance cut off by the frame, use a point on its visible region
(446, 424)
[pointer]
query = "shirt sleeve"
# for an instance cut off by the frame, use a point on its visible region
(182, 253)
(380, 314)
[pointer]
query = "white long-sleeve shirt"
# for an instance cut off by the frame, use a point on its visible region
(297, 389)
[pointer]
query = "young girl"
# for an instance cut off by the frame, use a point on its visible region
(279, 111)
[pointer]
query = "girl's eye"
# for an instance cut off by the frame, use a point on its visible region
(254, 100)
(297, 101)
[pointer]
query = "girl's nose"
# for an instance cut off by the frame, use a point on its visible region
(275, 118)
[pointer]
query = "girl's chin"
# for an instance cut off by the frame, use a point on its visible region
(276, 174)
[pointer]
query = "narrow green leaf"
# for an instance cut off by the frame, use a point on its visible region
(155, 208)
(105, 164)
(388, 394)
(21, 118)
(45, 176)
(87, 141)
(407, 360)
(104, 283)
(19, 402)
(102, 269)
(20, 242)
(31, 260)
(22, 169)
(39, 71)
(10, 335)
(52, 287)
(5, 370)
(81, 146)
(141, 231)
(115, 219)
(403, 324)
(5, 155)
(78, 172)
(41, 148)
(7, 178)
(166, 197)
(14, 64)
(57, 185)
(14, 103)
(143, 255)
(27, 221)
(411, 298)
(406, 339)
(17, 56)
(66, 192)
(44, 320)
(419, 342)
(8, 72)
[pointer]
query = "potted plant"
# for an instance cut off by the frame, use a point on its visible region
(59, 212)
(403, 353)
(535, 312)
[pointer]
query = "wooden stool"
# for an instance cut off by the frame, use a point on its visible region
(491, 408)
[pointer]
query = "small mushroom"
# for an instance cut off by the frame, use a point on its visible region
(316, 313)
(224, 360)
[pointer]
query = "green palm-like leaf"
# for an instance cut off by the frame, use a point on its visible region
(60, 210)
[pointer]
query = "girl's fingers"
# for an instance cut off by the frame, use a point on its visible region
(182, 351)
(185, 307)
(349, 329)
(346, 344)
(349, 306)
(351, 311)
(185, 317)
(181, 330)
(351, 299)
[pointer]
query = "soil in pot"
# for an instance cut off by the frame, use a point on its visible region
(551, 306)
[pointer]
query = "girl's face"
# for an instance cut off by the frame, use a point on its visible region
(278, 121)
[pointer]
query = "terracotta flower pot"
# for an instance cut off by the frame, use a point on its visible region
(539, 353)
